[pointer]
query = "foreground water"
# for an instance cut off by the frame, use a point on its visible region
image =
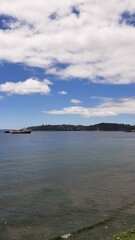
(54, 183)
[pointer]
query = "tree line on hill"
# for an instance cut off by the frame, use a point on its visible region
(96, 127)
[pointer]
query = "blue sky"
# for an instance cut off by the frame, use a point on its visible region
(67, 62)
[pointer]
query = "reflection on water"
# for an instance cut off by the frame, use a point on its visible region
(53, 183)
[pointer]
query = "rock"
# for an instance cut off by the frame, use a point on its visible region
(66, 236)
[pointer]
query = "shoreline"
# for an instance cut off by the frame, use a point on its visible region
(124, 235)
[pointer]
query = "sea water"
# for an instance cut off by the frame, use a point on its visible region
(55, 183)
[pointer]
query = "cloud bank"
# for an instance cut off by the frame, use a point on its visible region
(30, 86)
(108, 107)
(94, 39)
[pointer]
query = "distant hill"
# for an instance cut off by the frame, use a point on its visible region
(96, 127)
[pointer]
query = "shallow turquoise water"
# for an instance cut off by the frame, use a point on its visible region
(53, 183)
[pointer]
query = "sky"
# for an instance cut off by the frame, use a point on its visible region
(66, 62)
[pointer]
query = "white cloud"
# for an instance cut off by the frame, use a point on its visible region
(76, 101)
(29, 86)
(108, 107)
(62, 92)
(93, 44)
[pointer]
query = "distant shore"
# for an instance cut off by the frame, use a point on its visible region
(96, 127)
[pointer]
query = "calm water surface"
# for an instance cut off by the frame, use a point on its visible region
(54, 183)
